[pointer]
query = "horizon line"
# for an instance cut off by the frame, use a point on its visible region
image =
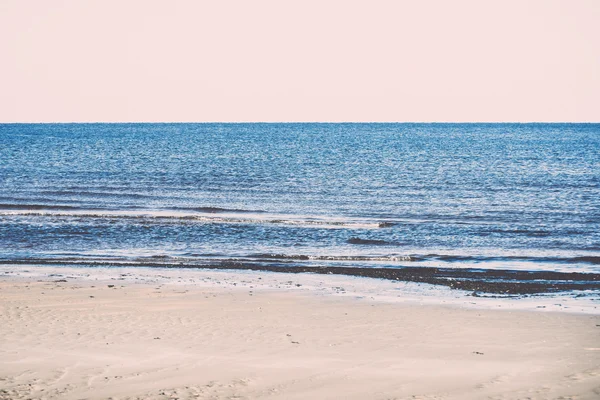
(294, 122)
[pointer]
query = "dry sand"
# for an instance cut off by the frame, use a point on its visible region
(155, 335)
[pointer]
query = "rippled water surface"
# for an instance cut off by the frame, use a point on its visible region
(489, 196)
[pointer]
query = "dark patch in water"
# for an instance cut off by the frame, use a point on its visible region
(587, 259)
(281, 256)
(375, 242)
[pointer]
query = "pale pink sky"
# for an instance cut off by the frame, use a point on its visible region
(141, 60)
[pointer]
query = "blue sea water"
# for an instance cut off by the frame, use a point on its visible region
(489, 196)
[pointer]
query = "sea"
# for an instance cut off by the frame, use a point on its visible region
(488, 208)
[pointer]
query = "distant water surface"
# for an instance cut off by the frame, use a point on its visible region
(514, 197)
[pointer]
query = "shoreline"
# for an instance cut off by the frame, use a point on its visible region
(475, 280)
(97, 333)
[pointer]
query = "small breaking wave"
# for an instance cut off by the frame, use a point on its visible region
(302, 257)
(217, 210)
(539, 259)
(161, 216)
(445, 258)
(36, 207)
(530, 233)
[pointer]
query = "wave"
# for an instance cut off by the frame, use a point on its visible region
(430, 257)
(302, 257)
(87, 193)
(390, 258)
(532, 233)
(36, 207)
(208, 210)
(166, 216)
(464, 260)
(215, 210)
(454, 258)
(414, 258)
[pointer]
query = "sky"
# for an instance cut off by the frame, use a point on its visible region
(324, 61)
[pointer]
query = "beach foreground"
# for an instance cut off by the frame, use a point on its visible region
(69, 338)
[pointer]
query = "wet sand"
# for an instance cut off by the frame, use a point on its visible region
(490, 281)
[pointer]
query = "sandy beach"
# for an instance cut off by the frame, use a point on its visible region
(310, 200)
(122, 334)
